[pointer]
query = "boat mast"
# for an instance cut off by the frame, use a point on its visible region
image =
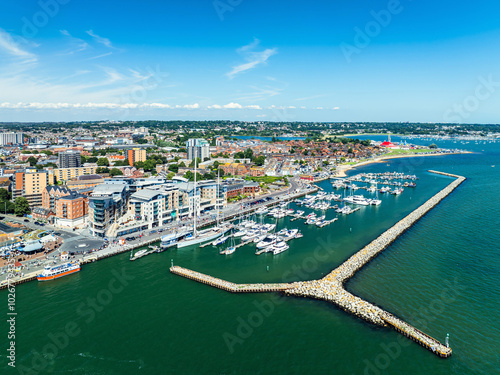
(217, 196)
(195, 199)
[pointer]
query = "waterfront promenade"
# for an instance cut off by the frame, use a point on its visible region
(30, 271)
(331, 287)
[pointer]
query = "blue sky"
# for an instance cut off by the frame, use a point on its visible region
(345, 60)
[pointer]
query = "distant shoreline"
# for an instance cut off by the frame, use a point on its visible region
(342, 169)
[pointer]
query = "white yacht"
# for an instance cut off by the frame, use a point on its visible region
(250, 235)
(267, 241)
(262, 210)
(202, 236)
(357, 199)
(279, 247)
(220, 240)
(240, 233)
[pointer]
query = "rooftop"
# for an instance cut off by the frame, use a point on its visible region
(107, 189)
(145, 194)
(90, 177)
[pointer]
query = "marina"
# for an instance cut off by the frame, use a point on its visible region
(331, 287)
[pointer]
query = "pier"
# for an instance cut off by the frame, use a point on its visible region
(331, 287)
(227, 285)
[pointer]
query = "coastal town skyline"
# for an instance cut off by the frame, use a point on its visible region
(249, 187)
(226, 60)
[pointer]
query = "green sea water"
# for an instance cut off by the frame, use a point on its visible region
(122, 317)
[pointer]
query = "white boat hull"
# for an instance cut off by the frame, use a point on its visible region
(201, 239)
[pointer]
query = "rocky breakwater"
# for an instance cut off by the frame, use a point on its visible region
(331, 287)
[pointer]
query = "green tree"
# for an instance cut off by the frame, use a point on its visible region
(122, 163)
(4, 195)
(349, 151)
(103, 162)
(139, 164)
(102, 170)
(21, 206)
(182, 165)
(149, 165)
(260, 160)
(115, 172)
(92, 159)
(170, 175)
(198, 161)
(32, 161)
(248, 154)
(174, 168)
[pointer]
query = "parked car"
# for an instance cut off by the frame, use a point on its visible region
(26, 221)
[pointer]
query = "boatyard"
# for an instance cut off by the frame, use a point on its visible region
(331, 287)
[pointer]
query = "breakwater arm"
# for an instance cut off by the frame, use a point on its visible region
(331, 287)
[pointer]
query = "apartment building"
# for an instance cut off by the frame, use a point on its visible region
(107, 203)
(30, 183)
(136, 154)
(70, 159)
(66, 174)
(197, 148)
(71, 210)
(11, 139)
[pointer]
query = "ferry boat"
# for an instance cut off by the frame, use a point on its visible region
(55, 272)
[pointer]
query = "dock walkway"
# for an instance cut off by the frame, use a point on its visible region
(331, 287)
(227, 285)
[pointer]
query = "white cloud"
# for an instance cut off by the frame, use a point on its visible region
(281, 107)
(100, 39)
(99, 56)
(77, 44)
(335, 108)
(253, 58)
(233, 106)
(10, 46)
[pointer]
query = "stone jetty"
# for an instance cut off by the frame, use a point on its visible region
(331, 287)
(227, 285)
